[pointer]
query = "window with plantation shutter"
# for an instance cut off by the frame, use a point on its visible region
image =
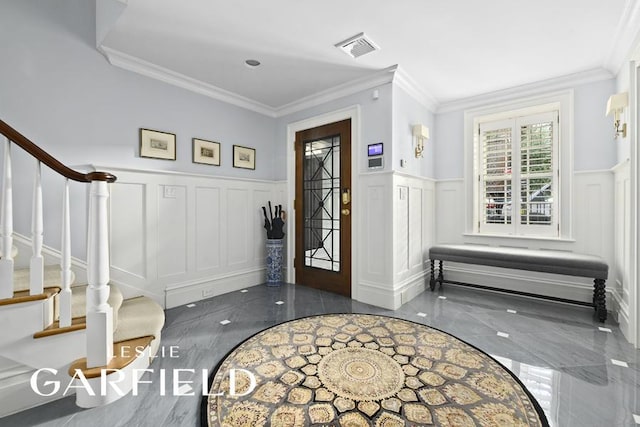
(517, 172)
(496, 172)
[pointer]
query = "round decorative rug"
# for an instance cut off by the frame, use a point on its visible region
(352, 370)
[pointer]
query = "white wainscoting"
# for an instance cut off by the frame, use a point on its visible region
(621, 266)
(180, 238)
(397, 229)
(375, 245)
(592, 216)
(414, 224)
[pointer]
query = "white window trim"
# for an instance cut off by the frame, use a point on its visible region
(563, 102)
(514, 122)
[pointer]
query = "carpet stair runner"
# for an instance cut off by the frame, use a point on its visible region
(21, 285)
(133, 318)
(51, 278)
(136, 321)
(79, 310)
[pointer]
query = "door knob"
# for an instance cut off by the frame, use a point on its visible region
(346, 212)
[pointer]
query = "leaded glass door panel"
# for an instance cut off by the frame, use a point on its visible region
(323, 207)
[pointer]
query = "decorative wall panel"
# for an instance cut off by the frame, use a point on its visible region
(207, 232)
(131, 228)
(182, 237)
(238, 226)
(171, 233)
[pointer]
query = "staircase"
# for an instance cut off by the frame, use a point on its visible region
(55, 331)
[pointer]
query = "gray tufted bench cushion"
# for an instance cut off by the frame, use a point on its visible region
(558, 262)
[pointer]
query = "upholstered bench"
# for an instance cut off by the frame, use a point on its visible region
(558, 262)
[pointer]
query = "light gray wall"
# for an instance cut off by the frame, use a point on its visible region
(407, 111)
(60, 92)
(375, 125)
(449, 145)
(594, 145)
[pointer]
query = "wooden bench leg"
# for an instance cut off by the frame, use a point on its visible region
(432, 281)
(440, 274)
(599, 299)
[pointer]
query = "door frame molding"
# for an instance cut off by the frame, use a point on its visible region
(353, 113)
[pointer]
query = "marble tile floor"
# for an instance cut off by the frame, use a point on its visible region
(558, 351)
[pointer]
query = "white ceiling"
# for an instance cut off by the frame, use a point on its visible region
(452, 49)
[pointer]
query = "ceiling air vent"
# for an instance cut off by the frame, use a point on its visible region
(357, 45)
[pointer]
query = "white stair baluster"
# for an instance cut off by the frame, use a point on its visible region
(65, 261)
(99, 312)
(36, 267)
(6, 263)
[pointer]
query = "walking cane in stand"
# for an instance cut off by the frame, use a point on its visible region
(274, 224)
(267, 223)
(278, 223)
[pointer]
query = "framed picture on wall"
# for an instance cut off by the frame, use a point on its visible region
(244, 157)
(157, 145)
(206, 152)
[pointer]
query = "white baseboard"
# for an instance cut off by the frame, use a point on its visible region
(623, 324)
(378, 295)
(187, 292)
(621, 312)
(412, 287)
(392, 298)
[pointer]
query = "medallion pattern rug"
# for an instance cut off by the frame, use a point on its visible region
(352, 370)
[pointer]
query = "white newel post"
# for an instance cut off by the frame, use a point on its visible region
(36, 267)
(99, 313)
(6, 263)
(65, 261)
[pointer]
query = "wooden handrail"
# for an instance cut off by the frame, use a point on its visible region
(49, 160)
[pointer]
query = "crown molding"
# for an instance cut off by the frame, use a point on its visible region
(406, 82)
(393, 74)
(549, 85)
(148, 69)
(627, 37)
(378, 78)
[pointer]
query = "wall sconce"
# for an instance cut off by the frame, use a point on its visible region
(420, 133)
(616, 105)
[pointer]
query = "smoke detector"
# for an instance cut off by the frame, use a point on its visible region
(357, 45)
